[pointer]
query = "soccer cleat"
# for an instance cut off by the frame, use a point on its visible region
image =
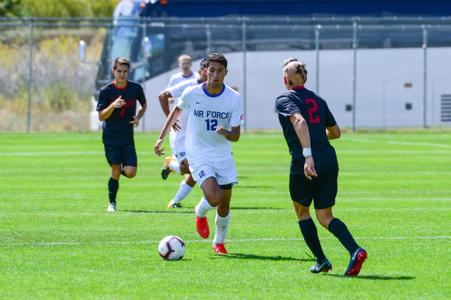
(166, 170)
(356, 262)
(171, 204)
(324, 266)
(111, 207)
(202, 227)
(220, 249)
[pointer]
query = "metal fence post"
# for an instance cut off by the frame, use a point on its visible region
(354, 75)
(208, 34)
(30, 73)
(243, 44)
(317, 29)
(425, 74)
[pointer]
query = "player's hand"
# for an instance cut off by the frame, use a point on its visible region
(158, 150)
(135, 121)
(309, 168)
(119, 102)
(176, 127)
(221, 130)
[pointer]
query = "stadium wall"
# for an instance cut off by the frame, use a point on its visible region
(388, 81)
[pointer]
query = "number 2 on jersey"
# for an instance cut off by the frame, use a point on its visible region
(211, 124)
(313, 118)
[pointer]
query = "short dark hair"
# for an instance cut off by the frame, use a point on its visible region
(217, 57)
(121, 61)
(204, 63)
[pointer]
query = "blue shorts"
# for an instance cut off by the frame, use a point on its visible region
(124, 155)
(322, 189)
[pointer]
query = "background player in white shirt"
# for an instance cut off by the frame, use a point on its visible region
(180, 163)
(185, 63)
(214, 117)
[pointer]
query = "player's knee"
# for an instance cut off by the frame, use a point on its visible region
(214, 198)
(324, 219)
(130, 174)
(223, 210)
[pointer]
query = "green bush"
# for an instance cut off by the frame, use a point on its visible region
(68, 8)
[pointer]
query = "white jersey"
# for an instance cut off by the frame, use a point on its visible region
(205, 113)
(178, 77)
(178, 138)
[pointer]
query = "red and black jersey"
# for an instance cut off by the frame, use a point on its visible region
(117, 129)
(318, 116)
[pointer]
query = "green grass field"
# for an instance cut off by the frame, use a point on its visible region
(58, 241)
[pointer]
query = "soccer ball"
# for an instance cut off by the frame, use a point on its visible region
(171, 248)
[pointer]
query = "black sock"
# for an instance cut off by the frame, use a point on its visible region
(310, 235)
(339, 229)
(113, 186)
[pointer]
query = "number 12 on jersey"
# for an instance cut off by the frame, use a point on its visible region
(211, 124)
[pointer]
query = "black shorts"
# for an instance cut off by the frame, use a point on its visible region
(322, 189)
(121, 155)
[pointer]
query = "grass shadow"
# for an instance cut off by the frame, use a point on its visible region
(262, 257)
(253, 186)
(142, 211)
(373, 277)
(254, 207)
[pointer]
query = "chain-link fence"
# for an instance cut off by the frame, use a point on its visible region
(374, 72)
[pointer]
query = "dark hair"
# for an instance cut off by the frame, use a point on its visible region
(204, 63)
(217, 57)
(121, 61)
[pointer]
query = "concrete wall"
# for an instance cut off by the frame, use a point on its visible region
(386, 80)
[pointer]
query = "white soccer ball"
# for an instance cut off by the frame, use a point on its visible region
(171, 248)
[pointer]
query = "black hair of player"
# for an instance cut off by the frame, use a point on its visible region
(217, 57)
(122, 62)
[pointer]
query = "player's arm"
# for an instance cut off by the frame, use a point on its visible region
(301, 129)
(106, 113)
(232, 135)
(333, 132)
(164, 98)
(139, 116)
(168, 123)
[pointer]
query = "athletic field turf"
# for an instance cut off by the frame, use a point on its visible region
(58, 241)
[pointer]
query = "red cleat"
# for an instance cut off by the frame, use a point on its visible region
(357, 260)
(220, 249)
(202, 227)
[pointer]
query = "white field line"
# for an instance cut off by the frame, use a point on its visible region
(399, 142)
(250, 240)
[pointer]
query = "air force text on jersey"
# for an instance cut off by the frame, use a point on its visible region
(212, 114)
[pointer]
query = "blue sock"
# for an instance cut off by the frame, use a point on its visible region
(311, 238)
(113, 186)
(339, 229)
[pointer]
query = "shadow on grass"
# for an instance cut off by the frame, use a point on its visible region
(253, 186)
(262, 257)
(373, 277)
(255, 207)
(173, 211)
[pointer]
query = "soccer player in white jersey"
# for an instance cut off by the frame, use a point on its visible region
(215, 112)
(180, 163)
(185, 63)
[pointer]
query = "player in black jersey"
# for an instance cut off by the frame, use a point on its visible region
(308, 125)
(117, 110)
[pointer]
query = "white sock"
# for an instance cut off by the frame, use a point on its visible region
(174, 165)
(203, 207)
(183, 191)
(222, 227)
